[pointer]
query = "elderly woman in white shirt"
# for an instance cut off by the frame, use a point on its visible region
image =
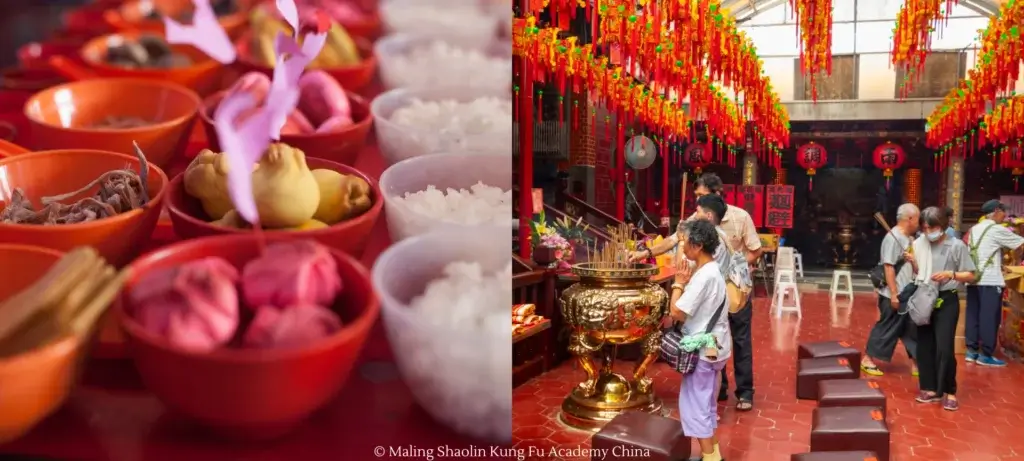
(697, 295)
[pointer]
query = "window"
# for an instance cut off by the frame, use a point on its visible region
(843, 38)
(774, 40)
(770, 16)
(844, 11)
(877, 9)
(841, 85)
(874, 37)
(942, 71)
(958, 33)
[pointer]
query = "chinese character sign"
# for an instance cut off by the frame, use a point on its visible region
(751, 199)
(779, 207)
(729, 193)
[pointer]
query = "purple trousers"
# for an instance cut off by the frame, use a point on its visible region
(698, 408)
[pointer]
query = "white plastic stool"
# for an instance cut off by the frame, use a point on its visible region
(782, 276)
(781, 289)
(798, 263)
(835, 290)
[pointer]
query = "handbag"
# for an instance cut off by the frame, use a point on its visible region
(921, 303)
(671, 341)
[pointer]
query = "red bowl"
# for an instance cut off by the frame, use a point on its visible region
(29, 81)
(342, 146)
(204, 75)
(36, 55)
(351, 77)
(87, 19)
(351, 236)
(245, 393)
(129, 16)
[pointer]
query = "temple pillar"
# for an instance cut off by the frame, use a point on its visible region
(955, 190)
(749, 169)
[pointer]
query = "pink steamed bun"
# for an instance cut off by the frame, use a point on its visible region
(291, 273)
(290, 327)
(194, 306)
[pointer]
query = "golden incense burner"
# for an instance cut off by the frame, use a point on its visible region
(613, 303)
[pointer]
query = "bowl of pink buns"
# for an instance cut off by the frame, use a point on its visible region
(329, 122)
(246, 338)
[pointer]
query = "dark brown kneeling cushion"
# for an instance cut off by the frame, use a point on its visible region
(850, 393)
(849, 429)
(811, 371)
(830, 349)
(836, 456)
(656, 437)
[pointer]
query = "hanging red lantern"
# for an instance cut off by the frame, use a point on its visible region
(810, 157)
(697, 156)
(888, 157)
(1013, 159)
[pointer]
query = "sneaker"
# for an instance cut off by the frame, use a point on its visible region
(990, 361)
(949, 404)
(927, 397)
(972, 356)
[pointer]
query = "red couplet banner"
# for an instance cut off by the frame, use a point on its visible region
(779, 213)
(751, 198)
(729, 194)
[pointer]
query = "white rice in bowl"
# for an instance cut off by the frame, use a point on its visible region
(448, 125)
(456, 360)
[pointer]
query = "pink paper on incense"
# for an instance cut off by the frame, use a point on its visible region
(245, 143)
(205, 33)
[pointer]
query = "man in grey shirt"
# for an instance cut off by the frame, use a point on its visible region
(892, 327)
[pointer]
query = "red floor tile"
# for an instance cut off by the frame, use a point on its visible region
(987, 427)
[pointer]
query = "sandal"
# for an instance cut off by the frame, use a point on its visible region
(927, 397)
(744, 405)
(872, 370)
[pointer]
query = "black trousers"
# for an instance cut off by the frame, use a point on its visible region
(888, 330)
(984, 314)
(742, 354)
(935, 360)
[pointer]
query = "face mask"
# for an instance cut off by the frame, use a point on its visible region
(934, 236)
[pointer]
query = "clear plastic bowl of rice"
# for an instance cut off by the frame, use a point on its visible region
(443, 171)
(478, 133)
(422, 61)
(455, 356)
(464, 20)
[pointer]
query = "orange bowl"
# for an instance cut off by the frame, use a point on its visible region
(350, 77)
(62, 117)
(36, 383)
(248, 393)
(131, 16)
(342, 146)
(190, 221)
(204, 76)
(42, 174)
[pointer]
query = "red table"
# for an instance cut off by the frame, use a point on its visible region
(111, 417)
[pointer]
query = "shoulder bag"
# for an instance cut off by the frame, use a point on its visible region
(672, 338)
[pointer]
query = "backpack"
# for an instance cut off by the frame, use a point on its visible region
(738, 283)
(877, 273)
(979, 268)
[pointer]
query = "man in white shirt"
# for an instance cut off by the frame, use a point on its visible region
(987, 240)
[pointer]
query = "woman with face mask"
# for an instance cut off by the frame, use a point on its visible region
(946, 262)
